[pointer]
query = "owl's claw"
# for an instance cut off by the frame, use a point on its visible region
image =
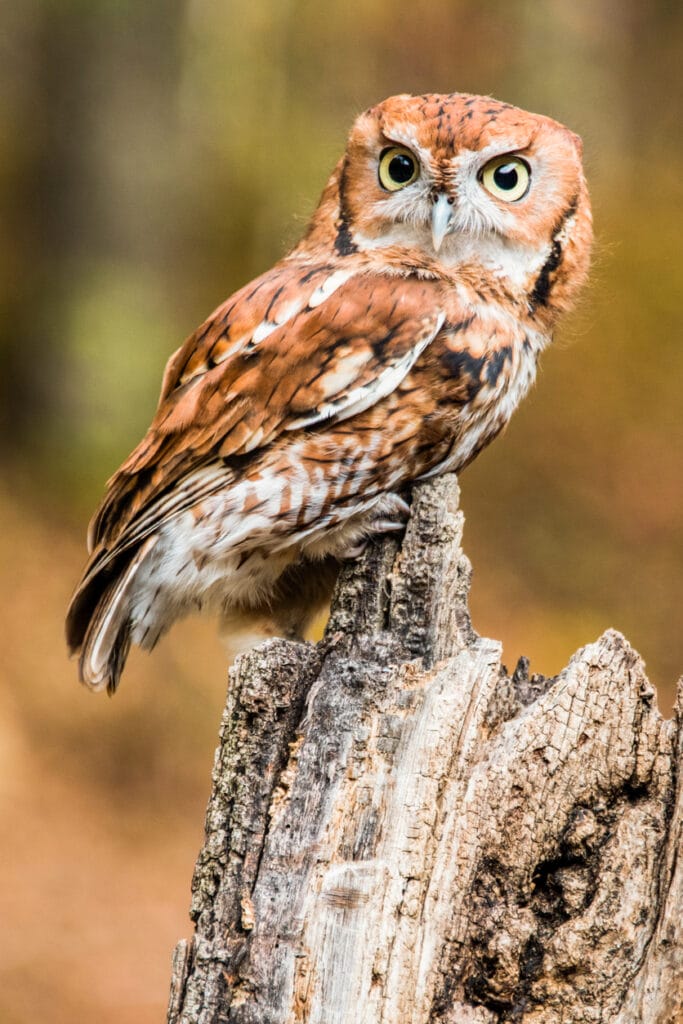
(401, 507)
(384, 524)
(388, 525)
(354, 552)
(377, 527)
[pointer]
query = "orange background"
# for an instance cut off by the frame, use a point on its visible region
(156, 156)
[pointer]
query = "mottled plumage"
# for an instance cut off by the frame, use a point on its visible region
(393, 343)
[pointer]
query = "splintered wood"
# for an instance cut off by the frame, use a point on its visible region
(401, 833)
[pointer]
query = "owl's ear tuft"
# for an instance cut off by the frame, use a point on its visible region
(578, 142)
(389, 101)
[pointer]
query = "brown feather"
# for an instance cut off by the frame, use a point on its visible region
(364, 360)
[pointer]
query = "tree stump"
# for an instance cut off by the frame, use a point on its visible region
(401, 832)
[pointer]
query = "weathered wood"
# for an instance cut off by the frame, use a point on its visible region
(400, 832)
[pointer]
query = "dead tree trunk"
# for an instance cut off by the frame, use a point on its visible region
(400, 832)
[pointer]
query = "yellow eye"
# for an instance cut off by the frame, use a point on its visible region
(507, 178)
(397, 168)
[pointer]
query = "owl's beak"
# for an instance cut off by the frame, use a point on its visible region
(442, 215)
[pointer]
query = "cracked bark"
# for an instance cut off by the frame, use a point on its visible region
(401, 832)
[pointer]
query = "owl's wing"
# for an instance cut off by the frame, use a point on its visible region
(300, 348)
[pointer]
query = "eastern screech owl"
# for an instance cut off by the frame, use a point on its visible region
(392, 344)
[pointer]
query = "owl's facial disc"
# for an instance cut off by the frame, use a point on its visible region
(456, 194)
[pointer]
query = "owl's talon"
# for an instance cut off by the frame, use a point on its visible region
(402, 506)
(354, 552)
(388, 525)
(377, 527)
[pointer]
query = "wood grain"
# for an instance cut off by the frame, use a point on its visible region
(400, 832)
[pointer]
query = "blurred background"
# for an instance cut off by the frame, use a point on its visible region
(154, 157)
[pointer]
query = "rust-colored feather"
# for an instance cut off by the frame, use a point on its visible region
(392, 343)
(299, 375)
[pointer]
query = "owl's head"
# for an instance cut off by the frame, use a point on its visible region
(467, 180)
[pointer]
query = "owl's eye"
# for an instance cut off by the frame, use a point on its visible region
(506, 178)
(397, 168)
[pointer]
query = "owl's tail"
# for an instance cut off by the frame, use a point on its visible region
(99, 622)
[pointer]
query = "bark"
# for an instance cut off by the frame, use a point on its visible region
(401, 832)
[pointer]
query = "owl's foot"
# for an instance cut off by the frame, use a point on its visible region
(394, 517)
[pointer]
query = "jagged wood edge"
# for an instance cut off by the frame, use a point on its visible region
(391, 610)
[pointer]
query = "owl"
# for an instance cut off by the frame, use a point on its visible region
(390, 345)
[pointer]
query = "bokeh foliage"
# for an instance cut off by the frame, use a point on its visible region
(153, 157)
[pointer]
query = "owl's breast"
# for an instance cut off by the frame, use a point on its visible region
(476, 373)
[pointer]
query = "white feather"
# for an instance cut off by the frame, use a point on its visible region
(361, 398)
